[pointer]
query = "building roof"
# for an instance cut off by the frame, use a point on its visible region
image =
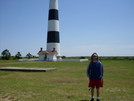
(47, 52)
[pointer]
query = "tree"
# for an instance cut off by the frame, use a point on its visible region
(6, 54)
(28, 55)
(18, 55)
(63, 57)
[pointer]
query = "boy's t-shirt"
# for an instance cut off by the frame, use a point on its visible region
(95, 70)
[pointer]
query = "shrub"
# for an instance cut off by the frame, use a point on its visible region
(63, 57)
(82, 57)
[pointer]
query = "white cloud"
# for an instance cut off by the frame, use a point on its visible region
(102, 50)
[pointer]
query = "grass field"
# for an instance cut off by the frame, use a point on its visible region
(67, 83)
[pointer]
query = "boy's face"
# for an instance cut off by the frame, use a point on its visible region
(95, 57)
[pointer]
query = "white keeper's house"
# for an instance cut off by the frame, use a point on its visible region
(47, 55)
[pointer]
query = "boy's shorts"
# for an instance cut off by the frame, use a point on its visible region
(95, 83)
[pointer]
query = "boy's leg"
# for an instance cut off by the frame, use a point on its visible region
(99, 84)
(92, 92)
(98, 92)
(92, 85)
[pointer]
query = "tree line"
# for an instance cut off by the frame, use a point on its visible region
(6, 55)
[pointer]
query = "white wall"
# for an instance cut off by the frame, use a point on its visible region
(27, 59)
(41, 57)
(80, 60)
(51, 58)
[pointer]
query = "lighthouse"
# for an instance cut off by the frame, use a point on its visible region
(53, 35)
(52, 52)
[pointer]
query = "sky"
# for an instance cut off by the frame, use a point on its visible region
(86, 26)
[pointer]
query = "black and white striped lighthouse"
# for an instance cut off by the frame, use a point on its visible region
(53, 35)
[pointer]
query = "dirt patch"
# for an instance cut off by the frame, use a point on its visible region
(18, 97)
(115, 89)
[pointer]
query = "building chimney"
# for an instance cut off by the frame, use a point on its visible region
(53, 50)
(41, 49)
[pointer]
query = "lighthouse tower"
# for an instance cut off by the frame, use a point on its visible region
(52, 52)
(53, 35)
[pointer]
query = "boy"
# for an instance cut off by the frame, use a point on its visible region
(95, 74)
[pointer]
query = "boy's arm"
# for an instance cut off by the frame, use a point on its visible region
(88, 71)
(101, 70)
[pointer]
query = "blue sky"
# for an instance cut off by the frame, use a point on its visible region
(86, 26)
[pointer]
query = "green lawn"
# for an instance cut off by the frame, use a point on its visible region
(67, 83)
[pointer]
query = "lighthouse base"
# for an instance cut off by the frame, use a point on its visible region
(59, 58)
(51, 46)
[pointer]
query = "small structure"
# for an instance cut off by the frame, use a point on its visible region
(47, 55)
